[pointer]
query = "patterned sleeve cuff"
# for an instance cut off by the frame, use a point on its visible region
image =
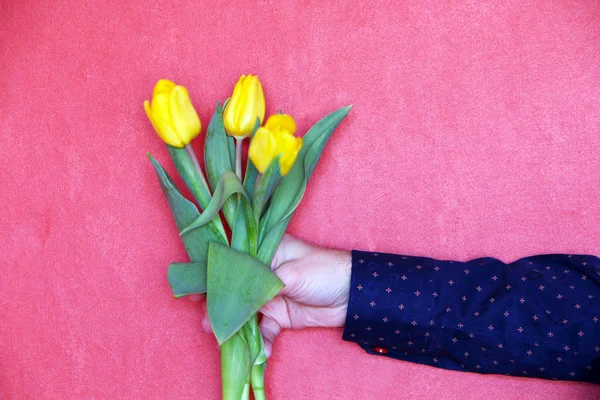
(387, 310)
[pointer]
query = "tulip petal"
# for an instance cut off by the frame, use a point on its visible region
(260, 102)
(229, 115)
(162, 127)
(245, 116)
(284, 121)
(160, 107)
(286, 163)
(166, 132)
(184, 117)
(288, 146)
(163, 86)
(262, 149)
(148, 110)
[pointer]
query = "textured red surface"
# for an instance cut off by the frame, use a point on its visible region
(475, 131)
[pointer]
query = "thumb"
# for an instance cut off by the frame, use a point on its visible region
(275, 318)
(269, 328)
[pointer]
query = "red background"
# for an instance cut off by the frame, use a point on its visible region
(474, 133)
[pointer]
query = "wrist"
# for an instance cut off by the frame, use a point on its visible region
(345, 266)
(342, 266)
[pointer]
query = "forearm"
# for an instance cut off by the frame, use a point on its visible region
(534, 317)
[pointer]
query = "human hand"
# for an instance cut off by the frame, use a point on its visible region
(317, 284)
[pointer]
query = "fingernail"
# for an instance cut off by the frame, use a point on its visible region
(206, 325)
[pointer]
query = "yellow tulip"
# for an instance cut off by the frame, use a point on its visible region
(246, 104)
(262, 149)
(275, 138)
(172, 114)
(281, 122)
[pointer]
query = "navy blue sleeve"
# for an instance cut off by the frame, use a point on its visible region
(536, 317)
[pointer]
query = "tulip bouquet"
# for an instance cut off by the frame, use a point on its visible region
(232, 265)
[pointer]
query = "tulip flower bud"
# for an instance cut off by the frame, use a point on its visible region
(246, 104)
(262, 149)
(172, 114)
(275, 138)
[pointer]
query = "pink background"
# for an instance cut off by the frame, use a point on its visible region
(475, 131)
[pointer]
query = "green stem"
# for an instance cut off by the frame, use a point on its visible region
(258, 381)
(257, 374)
(194, 159)
(250, 332)
(255, 341)
(238, 157)
(235, 367)
(246, 394)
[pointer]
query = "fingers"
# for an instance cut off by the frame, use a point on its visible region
(196, 297)
(291, 276)
(203, 309)
(269, 328)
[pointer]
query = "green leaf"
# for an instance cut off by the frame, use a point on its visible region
(318, 136)
(239, 231)
(230, 140)
(269, 244)
(187, 171)
(187, 278)
(185, 212)
(217, 158)
(251, 171)
(238, 285)
(265, 186)
(250, 178)
(227, 186)
(291, 190)
(231, 148)
(239, 236)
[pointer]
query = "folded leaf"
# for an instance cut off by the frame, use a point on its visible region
(255, 341)
(189, 174)
(228, 185)
(290, 191)
(238, 286)
(217, 158)
(185, 212)
(187, 278)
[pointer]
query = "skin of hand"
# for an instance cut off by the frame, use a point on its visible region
(317, 284)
